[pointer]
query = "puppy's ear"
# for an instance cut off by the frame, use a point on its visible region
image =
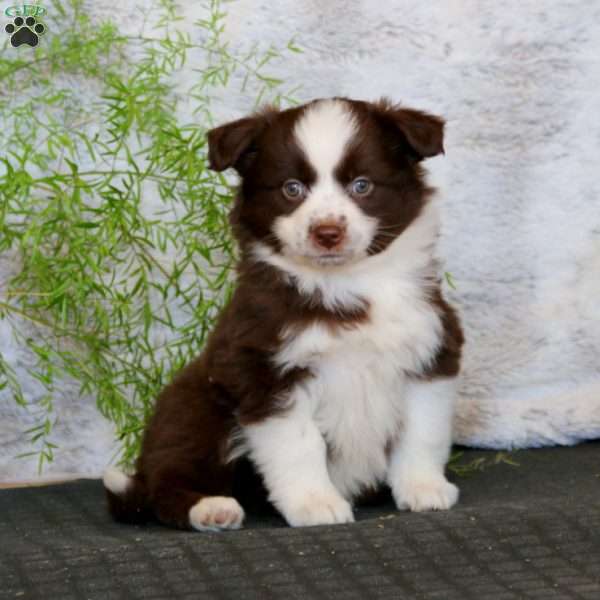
(423, 133)
(230, 143)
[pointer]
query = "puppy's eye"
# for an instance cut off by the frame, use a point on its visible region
(293, 189)
(361, 186)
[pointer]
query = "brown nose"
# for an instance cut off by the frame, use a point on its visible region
(328, 235)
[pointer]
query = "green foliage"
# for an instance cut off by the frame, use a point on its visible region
(459, 467)
(117, 227)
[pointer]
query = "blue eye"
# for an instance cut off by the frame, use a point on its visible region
(294, 189)
(361, 186)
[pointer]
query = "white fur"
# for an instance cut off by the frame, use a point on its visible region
(116, 481)
(323, 133)
(354, 405)
(416, 472)
(215, 513)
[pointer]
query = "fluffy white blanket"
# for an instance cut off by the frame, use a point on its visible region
(519, 85)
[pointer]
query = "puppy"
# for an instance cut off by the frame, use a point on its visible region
(333, 369)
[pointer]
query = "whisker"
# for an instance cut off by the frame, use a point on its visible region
(388, 235)
(271, 237)
(378, 247)
(391, 226)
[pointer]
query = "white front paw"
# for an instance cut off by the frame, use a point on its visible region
(425, 493)
(214, 513)
(316, 508)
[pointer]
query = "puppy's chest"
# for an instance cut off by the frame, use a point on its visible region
(357, 384)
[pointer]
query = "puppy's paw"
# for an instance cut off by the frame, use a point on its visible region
(425, 493)
(216, 512)
(317, 508)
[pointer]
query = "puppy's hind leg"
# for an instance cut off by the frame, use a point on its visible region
(184, 456)
(178, 503)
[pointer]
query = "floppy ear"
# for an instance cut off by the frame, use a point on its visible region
(422, 132)
(228, 143)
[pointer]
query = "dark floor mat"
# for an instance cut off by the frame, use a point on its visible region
(527, 531)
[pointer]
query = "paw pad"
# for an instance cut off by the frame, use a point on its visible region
(25, 31)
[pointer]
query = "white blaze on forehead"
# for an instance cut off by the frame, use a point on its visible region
(323, 133)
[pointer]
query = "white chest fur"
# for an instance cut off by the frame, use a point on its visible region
(356, 391)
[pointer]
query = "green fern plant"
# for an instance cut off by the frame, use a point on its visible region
(116, 224)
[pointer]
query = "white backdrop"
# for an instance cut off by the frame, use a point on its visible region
(519, 84)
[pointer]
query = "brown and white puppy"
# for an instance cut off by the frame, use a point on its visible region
(333, 368)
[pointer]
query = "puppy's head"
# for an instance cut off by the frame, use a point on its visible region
(328, 183)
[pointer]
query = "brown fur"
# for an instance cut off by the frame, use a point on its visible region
(447, 360)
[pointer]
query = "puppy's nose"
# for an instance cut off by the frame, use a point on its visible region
(328, 235)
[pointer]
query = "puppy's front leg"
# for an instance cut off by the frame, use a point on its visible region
(290, 453)
(416, 471)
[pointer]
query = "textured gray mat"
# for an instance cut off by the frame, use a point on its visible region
(531, 531)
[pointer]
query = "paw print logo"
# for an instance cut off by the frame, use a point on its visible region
(25, 31)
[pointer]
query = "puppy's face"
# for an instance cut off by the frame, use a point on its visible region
(328, 183)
